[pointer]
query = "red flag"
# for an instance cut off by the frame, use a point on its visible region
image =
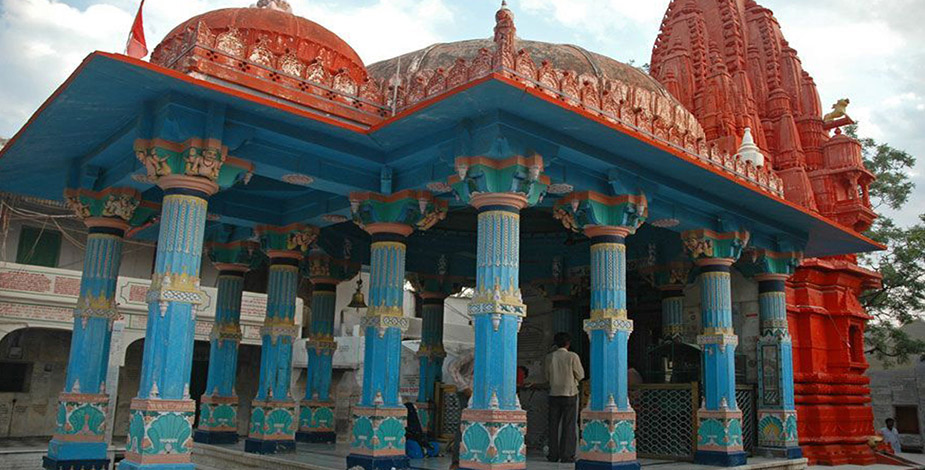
(136, 46)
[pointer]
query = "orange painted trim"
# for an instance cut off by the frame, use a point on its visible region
(296, 226)
(517, 200)
(705, 232)
(603, 198)
(592, 231)
(195, 183)
(412, 110)
(389, 227)
(241, 268)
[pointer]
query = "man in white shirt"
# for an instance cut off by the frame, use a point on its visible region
(891, 435)
(563, 371)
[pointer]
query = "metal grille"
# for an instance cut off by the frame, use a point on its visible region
(664, 420)
(452, 412)
(745, 400)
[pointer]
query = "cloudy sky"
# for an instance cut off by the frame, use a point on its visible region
(867, 50)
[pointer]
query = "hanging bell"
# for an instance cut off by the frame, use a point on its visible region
(358, 301)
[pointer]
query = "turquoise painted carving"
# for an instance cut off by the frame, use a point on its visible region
(257, 416)
(156, 433)
(712, 433)
(616, 437)
(362, 432)
(493, 443)
(75, 418)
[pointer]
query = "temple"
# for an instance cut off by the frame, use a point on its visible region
(696, 226)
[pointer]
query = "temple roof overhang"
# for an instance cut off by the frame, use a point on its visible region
(306, 162)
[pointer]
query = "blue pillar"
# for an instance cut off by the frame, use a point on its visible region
(777, 416)
(79, 438)
(378, 438)
(379, 420)
(672, 312)
(494, 425)
(719, 435)
(431, 354)
(218, 409)
(608, 425)
(160, 434)
(316, 411)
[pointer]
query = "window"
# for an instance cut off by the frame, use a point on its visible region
(14, 376)
(38, 246)
(907, 419)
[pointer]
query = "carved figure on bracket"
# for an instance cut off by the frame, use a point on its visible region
(156, 165)
(698, 247)
(838, 110)
(122, 206)
(80, 209)
(206, 163)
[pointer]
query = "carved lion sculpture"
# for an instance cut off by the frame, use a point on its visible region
(838, 110)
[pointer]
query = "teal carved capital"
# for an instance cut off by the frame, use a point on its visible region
(122, 205)
(243, 253)
(437, 285)
(292, 237)
(484, 175)
(202, 158)
(324, 268)
(758, 261)
(581, 210)
(705, 243)
(675, 273)
(415, 209)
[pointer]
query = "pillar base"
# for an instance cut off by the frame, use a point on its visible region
(316, 422)
(316, 437)
(378, 438)
(719, 459)
(272, 427)
(780, 452)
(50, 463)
(215, 437)
(368, 462)
(597, 465)
(266, 446)
(777, 429)
(500, 434)
(608, 439)
(128, 465)
(218, 420)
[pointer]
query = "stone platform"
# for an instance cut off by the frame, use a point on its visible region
(331, 457)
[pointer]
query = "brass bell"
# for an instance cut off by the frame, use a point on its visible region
(358, 300)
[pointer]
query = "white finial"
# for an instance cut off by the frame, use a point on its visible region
(749, 151)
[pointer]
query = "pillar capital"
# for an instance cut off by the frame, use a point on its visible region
(764, 264)
(671, 276)
(235, 256)
(706, 247)
(198, 164)
(434, 286)
(600, 215)
(291, 241)
(398, 213)
(112, 209)
(322, 268)
(477, 177)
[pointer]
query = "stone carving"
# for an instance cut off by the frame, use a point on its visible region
(838, 110)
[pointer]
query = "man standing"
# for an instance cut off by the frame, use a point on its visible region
(563, 371)
(891, 435)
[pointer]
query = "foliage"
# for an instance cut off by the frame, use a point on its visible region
(900, 299)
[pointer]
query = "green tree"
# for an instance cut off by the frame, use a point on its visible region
(901, 297)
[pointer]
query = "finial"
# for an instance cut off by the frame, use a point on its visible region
(278, 5)
(749, 151)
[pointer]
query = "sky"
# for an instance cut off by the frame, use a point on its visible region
(867, 50)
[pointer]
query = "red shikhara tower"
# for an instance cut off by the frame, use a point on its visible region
(728, 62)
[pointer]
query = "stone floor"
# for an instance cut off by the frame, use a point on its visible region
(329, 457)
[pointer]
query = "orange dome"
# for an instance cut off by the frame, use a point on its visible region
(267, 37)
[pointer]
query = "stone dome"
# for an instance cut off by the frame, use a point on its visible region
(267, 35)
(560, 56)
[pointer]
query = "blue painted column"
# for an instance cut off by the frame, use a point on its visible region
(608, 436)
(379, 420)
(608, 424)
(494, 425)
(160, 433)
(79, 437)
(672, 312)
(777, 416)
(218, 409)
(316, 411)
(719, 435)
(431, 354)
(273, 418)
